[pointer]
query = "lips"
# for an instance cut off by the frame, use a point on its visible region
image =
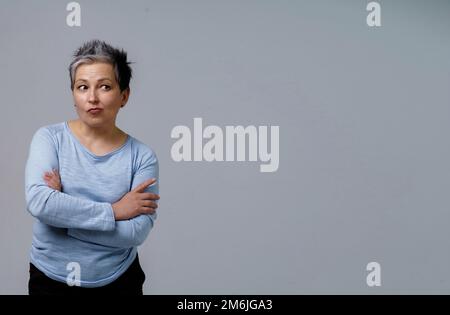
(95, 110)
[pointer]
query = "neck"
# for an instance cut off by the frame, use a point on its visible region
(109, 132)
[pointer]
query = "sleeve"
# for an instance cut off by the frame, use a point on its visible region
(132, 232)
(53, 207)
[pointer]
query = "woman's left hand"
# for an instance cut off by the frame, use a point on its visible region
(53, 180)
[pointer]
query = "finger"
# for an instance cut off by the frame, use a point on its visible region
(51, 185)
(54, 177)
(49, 177)
(54, 182)
(148, 210)
(144, 185)
(149, 203)
(150, 196)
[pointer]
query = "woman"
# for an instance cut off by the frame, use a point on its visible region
(92, 188)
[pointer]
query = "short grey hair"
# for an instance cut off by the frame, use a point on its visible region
(99, 51)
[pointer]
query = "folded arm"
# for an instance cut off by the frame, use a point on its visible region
(132, 232)
(54, 207)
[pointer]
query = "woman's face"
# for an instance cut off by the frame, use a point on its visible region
(95, 86)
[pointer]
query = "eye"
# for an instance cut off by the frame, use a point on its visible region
(106, 87)
(82, 87)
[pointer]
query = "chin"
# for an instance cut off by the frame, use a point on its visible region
(93, 122)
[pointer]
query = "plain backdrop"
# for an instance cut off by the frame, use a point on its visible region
(364, 118)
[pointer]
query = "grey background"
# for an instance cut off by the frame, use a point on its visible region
(364, 153)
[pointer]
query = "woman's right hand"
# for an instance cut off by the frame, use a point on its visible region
(136, 202)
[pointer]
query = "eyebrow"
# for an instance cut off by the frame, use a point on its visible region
(99, 80)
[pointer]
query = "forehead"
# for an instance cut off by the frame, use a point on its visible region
(94, 71)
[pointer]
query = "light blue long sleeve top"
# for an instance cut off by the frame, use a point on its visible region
(77, 224)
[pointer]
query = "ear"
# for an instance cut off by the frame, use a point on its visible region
(125, 95)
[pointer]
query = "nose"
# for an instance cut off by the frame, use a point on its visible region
(92, 97)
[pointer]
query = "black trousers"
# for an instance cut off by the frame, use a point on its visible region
(129, 283)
